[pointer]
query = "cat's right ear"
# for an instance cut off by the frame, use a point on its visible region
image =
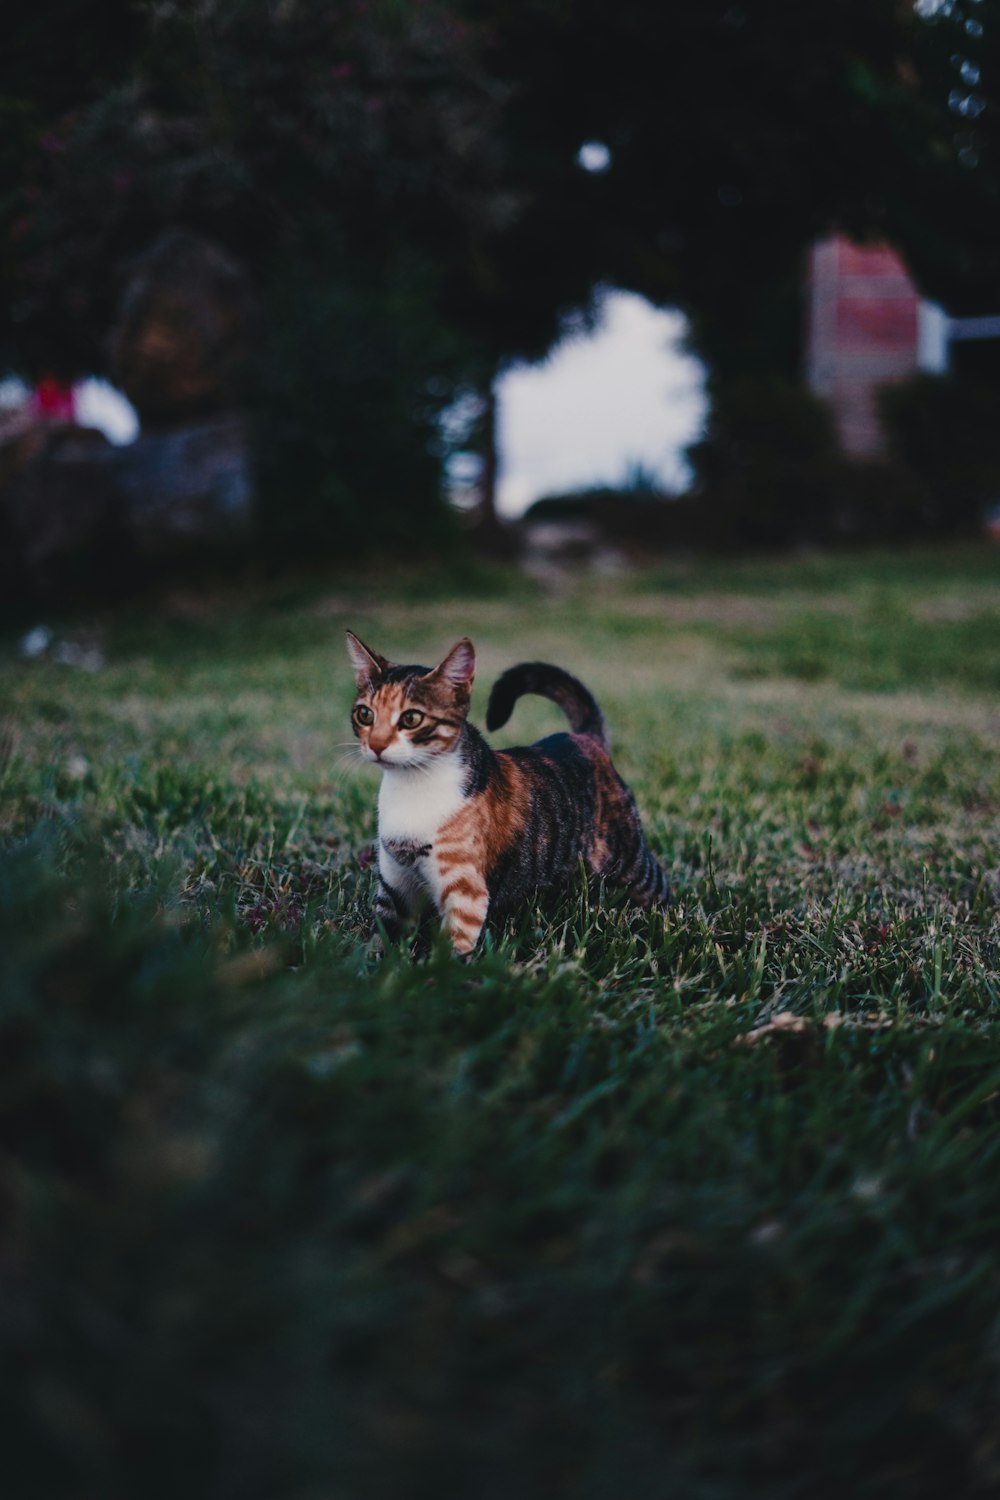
(368, 665)
(458, 668)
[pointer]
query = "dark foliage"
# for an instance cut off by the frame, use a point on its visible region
(944, 196)
(767, 464)
(639, 523)
(347, 405)
(945, 439)
(321, 147)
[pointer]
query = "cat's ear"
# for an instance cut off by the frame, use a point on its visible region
(368, 665)
(458, 668)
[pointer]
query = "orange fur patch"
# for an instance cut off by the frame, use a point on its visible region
(463, 886)
(482, 831)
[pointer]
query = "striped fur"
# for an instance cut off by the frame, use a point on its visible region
(474, 832)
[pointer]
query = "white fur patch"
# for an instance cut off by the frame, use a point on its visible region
(412, 806)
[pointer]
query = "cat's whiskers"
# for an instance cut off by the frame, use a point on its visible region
(347, 761)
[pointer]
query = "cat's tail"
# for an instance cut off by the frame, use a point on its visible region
(547, 682)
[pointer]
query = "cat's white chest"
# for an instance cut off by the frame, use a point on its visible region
(414, 804)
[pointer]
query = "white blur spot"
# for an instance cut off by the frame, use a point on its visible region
(867, 1189)
(13, 393)
(624, 399)
(100, 405)
(96, 404)
(594, 156)
(36, 642)
(464, 471)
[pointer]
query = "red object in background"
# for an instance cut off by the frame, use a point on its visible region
(863, 334)
(53, 400)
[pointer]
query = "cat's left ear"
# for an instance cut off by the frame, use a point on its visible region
(368, 665)
(459, 667)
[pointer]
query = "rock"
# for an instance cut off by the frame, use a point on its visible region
(185, 326)
(57, 506)
(22, 437)
(80, 516)
(177, 489)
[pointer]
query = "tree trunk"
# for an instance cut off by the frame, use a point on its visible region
(488, 477)
(490, 534)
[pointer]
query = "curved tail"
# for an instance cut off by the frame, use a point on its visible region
(547, 682)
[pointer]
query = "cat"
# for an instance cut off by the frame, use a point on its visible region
(476, 831)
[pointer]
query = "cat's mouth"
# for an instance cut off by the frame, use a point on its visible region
(389, 762)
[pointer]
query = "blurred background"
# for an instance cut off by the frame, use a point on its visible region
(301, 280)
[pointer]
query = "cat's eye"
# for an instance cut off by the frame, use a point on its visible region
(364, 715)
(410, 718)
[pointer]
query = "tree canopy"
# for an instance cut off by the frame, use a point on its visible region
(407, 184)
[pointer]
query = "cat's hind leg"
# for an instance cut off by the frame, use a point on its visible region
(633, 867)
(647, 883)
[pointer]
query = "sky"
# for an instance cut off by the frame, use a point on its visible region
(599, 405)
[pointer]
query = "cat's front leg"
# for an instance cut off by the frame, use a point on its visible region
(388, 911)
(397, 894)
(462, 903)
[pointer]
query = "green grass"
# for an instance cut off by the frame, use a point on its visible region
(699, 1205)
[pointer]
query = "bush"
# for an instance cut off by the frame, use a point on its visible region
(944, 437)
(347, 448)
(629, 518)
(768, 464)
(770, 472)
(876, 501)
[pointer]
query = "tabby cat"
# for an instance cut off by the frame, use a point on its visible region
(477, 831)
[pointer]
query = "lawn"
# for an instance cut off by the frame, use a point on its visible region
(698, 1205)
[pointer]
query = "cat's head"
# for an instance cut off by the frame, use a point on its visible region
(406, 716)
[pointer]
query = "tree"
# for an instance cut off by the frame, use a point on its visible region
(406, 183)
(326, 147)
(946, 202)
(726, 138)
